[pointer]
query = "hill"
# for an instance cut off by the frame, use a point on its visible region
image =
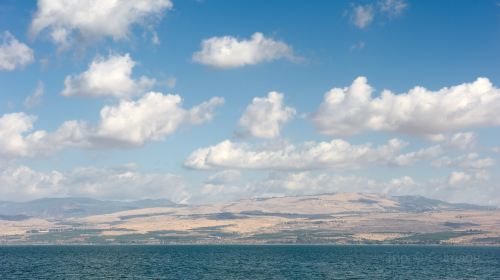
(342, 218)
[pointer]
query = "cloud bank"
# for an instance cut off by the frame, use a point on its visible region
(310, 155)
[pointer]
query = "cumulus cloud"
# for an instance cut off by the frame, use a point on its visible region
(265, 116)
(118, 183)
(127, 124)
(107, 77)
(36, 97)
(229, 52)
(17, 138)
(362, 15)
(15, 141)
(152, 117)
(310, 155)
(69, 21)
(420, 112)
(14, 54)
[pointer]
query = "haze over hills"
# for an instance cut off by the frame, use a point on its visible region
(327, 218)
(73, 207)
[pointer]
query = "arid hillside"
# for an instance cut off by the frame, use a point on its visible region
(342, 218)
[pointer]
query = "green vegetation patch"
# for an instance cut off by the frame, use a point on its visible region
(435, 237)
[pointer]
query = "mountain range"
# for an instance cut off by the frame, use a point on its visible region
(340, 218)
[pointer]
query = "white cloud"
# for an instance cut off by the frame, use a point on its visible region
(14, 140)
(310, 155)
(155, 39)
(204, 112)
(265, 116)
(17, 138)
(277, 184)
(152, 117)
(420, 112)
(456, 178)
(229, 52)
(393, 8)
(412, 157)
(120, 183)
(468, 161)
(128, 124)
(69, 21)
(14, 54)
(362, 15)
(36, 97)
(308, 183)
(224, 176)
(466, 187)
(463, 140)
(107, 77)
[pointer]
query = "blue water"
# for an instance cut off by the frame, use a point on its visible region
(249, 262)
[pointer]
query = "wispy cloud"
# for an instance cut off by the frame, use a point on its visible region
(35, 98)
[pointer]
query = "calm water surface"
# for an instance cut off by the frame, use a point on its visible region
(249, 262)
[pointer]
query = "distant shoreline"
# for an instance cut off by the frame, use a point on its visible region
(253, 245)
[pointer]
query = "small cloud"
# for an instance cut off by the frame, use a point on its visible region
(265, 116)
(35, 98)
(155, 39)
(44, 63)
(225, 176)
(14, 54)
(230, 52)
(171, 82)
(462, 140)
(362, 16)
(457, 178)
(107, 77)
(358, 46)
(392, 8)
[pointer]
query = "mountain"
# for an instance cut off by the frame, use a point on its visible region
(72, 207)
(340, 218)
(410, 203)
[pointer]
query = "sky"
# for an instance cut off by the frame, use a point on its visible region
(202, 101)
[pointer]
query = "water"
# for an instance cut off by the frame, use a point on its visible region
(249, 262)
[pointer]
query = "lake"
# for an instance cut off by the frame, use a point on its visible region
(249, 262)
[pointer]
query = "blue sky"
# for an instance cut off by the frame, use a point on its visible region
(441, 141)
